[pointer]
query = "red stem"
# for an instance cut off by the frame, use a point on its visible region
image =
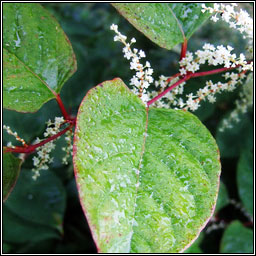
(183, 49)
(187, 77)
(211, 72)
(160, 95)
(62, 108)
(31, 148)
(172, 77)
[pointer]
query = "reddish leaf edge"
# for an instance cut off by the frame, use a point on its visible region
(74, 163)
(207, 220)
(78, 187)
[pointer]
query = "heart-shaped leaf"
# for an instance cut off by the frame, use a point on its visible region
(37, 57)
(147, 178)
(11, 170)
(166, 24)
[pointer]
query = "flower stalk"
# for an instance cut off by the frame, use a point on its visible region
(31, 148)
(188, 76)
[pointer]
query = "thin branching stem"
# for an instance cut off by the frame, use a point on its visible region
(31, 148)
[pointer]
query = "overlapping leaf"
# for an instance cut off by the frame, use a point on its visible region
(37, 57)
(11, 170)
(147, 178)
(166, 24)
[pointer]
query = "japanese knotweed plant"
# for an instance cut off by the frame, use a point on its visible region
(147, 170)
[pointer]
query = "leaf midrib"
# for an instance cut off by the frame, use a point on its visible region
(178, 22)
(139, 168)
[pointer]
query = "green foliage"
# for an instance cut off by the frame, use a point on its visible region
(195, 247)
(41, 201)
(38, 57)
(248, 88)
(237, 239)
(131, 162)
(166, 24)
(245, 180)
(11, 170)
(232, 141)
(100, 59)
(18, 230)
(34, 206)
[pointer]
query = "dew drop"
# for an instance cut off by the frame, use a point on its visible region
(17, 42)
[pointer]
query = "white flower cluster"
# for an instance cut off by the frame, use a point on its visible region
(18, 138)
(53, 127)
(244, 102)
(193, 101)
(43, 158)
(188, 64)
(69, 148)
(215, 56)
(239, 20)
(210, 89)
(143, 77)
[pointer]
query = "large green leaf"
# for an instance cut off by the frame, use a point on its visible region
(237, 239)
(245, 180)
(11, 170)
(37, 57)
(166, 24)
(42, 201)
(147, 179)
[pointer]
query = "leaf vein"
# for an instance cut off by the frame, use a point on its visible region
(32, 72)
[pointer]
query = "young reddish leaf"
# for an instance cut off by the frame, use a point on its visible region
(37, 57)
(11, 170)
(147, 178)
(166, 24)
